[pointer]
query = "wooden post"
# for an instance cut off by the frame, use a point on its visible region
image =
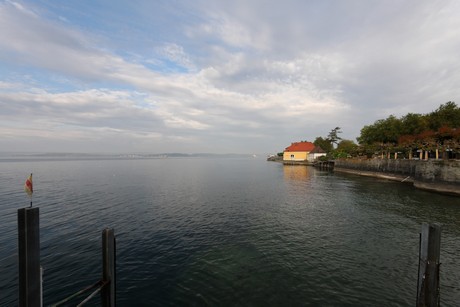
(108, 268)
(428, 278)
(29, 257)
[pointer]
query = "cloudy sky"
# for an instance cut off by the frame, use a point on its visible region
(217, 76)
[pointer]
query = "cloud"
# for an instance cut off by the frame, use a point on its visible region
(176, 54)
(250, 73)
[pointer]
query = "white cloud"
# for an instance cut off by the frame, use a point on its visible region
(176, 54)
(244, 70)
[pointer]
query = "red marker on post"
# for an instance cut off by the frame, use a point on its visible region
(29, 188)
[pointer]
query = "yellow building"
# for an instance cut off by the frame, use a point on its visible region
(298, 151)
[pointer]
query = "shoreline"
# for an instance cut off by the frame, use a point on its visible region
(443, 188)
(392, 177)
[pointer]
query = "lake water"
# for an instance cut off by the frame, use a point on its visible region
(226, 232)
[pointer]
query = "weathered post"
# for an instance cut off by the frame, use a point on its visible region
(29, 257)
(428, 278)
(108, 294)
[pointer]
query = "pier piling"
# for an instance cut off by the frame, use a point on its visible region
(108, 268)
(428, 277)
(29, 257)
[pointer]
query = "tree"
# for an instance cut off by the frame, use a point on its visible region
(345, 149)
(435, 131)
(325, 144)
(447, 114)
(369, 135)
(390, 130)
(383, 134)
(412, 124)
(333, 136)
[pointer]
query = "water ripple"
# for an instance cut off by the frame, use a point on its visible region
(226, 232)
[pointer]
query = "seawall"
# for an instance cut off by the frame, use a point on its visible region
(435, 175)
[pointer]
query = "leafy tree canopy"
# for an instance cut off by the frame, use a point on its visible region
(438, 130)
(447, 114)
(413, 123)
(347, 146)
(325, 144)
(382, 131)
(391, 129)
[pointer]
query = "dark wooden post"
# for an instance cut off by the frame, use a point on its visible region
(29, 257)
(428, 277)
(108, 268)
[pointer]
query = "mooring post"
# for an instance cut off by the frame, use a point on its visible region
(428, 277)
(29, 257)
(108, 294)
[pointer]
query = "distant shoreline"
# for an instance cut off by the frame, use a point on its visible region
(24, 156)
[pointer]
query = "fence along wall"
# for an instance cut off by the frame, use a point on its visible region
(437, 175)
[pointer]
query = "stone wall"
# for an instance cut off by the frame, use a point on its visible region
(437, 175)
(438, 171)
(399, 167)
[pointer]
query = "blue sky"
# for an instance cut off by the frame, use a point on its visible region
(217, 76)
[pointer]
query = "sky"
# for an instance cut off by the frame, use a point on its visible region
(217, 76)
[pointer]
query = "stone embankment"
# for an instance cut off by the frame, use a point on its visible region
(435, 175)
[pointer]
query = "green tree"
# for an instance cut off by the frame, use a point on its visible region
(447, 114)
(333, 136)
(345, 149)
(369, 135)
(383, 133)
(390, 130)
(412, 124)
(347, 146)
(434, 131)
(325, 144)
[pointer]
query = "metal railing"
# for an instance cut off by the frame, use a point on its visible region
(105, 286)
(30, 272)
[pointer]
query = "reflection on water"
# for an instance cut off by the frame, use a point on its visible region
(295, 172)
(227, 232)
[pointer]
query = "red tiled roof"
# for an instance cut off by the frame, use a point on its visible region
(300, 146)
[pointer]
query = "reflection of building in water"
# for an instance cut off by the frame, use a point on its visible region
(295, 172)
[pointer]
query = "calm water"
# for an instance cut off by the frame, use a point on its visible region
(227, 232)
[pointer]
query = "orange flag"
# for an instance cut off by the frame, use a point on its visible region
(28, 186)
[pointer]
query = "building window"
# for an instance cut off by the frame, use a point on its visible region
(292, 156)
